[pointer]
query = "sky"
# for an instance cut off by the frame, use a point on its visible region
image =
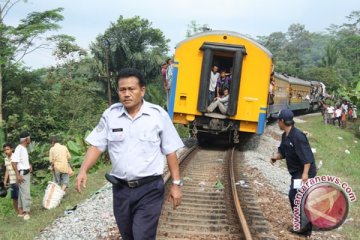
(86, 19)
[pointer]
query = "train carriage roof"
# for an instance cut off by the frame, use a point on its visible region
(292, 80)
(223, 32)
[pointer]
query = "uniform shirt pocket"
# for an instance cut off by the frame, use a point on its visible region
(116, 136)
(149, 143)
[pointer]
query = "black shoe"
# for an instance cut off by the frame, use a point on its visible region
(301, 233)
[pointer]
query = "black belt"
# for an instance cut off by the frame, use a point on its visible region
(133, 183)
(23, 172)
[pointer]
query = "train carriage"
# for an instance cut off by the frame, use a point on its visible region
(290, 92)
(299, 94)
(295, 94)
(248, 63)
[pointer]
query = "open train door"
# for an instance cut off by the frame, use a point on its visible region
(212, 51)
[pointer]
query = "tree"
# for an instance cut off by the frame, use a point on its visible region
(67, 52)
(131, 42)
(26, 37)
(346, 38)
(331, 55)
(194, 27)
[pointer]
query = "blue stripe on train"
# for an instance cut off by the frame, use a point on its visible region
(172, 90)
(261, 123)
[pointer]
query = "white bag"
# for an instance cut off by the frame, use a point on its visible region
(53, 195)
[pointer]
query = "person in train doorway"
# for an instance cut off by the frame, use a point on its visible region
(222, 83)
(163, 75)
(271, 89)
(168, 78)
(295, 148)
(137, 135)
(220, 102)
(214, 75)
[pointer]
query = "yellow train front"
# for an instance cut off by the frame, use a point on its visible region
(250, 66)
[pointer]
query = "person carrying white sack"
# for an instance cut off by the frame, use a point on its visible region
(59, 157)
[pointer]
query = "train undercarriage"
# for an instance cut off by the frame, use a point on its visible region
(214, 126)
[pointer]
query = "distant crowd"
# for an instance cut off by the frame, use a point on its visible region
(340, 113)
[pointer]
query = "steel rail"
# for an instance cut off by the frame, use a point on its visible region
(240, 213)
(183, 156)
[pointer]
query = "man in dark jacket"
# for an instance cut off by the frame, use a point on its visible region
(295, 148)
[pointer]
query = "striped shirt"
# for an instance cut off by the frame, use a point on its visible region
(10, 170)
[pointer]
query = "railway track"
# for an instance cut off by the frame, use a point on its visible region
(215, 185)
(208, 209)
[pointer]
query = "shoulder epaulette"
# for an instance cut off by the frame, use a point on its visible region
(116, 105)
(154, 106)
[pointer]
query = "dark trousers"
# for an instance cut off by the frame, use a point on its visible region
(306, 226)
(137, 210)
(211, 96)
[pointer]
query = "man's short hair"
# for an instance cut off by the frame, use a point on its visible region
(131, 72)
(54, 139)
(24, 134)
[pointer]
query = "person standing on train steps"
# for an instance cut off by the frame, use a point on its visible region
(222, 82)
(169, 75)
(295, 148)
(163, 74)
(214, 75)
(23, 168)
(137, 135)
(271, 89)
(169, 72)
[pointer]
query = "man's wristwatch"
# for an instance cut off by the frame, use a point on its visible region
(178, 182)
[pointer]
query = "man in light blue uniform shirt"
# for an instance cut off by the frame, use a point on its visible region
(137, 135)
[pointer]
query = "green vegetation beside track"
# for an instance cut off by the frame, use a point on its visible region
(13, 227)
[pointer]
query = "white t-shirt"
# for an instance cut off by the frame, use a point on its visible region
(338, 112)
(213, 78)
(330, 109)
(21, 157)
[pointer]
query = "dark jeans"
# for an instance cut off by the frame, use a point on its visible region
(211, 96)
(14, 191)
(306, 226)
(137, 210)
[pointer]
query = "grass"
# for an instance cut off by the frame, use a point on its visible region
(330, 143)
(13, 227)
